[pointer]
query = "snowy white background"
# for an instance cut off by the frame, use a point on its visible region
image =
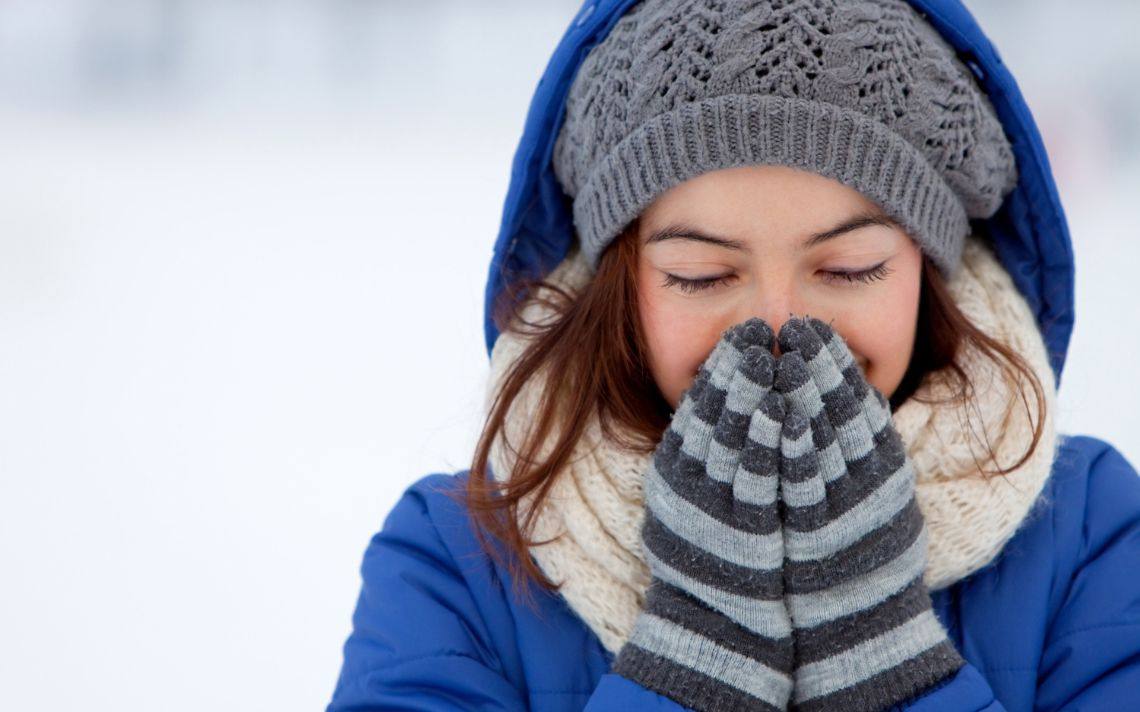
(243, 247)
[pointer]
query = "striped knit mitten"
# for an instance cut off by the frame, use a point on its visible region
(713, 633)
(855, 539)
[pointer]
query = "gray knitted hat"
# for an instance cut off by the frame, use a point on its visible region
(861, 91)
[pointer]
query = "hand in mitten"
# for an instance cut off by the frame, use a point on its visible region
(713, 633)
(866, 637)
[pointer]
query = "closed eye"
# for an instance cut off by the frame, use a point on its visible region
(879, 271)
(694, 285)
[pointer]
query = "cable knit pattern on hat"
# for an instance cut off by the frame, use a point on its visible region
(861, 91)
(596, 502)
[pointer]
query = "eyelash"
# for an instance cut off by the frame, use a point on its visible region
(879, 271)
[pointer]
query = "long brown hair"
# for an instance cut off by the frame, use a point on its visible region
(595, 344)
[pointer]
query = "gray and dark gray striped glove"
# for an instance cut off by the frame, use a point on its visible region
(855, 540)
(713, 633)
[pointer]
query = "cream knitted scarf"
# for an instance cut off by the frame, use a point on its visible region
(596, 501)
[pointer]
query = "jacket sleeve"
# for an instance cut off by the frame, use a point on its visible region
(1091, 658)
(420, 640)
(615, 693)
(967, 690)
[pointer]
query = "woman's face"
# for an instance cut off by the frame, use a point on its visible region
(745, 235)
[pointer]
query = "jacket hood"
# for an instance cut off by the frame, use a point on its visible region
(1029, 230)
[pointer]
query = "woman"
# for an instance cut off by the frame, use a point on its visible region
(777, 429)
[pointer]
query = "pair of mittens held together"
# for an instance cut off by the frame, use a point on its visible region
(784, 539)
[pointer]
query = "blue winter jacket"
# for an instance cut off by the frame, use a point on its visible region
(1052, 624)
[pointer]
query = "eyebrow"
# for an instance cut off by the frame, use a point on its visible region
(681, 231)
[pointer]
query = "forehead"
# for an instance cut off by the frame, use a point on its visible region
(757, 204)
(777, 190)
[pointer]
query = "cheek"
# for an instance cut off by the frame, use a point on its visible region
(678, 341)
(882, 338)
(884, 350)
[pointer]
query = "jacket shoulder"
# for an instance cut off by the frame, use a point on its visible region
(1096, 529)
(432, 510)
(1094, 493)
(430, 498)
(430, 517)
(429, 611)
(1091, 471)
(1092, 648)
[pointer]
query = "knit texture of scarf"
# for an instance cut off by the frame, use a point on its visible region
(594, 507)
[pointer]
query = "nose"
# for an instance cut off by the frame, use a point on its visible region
(775, 304)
